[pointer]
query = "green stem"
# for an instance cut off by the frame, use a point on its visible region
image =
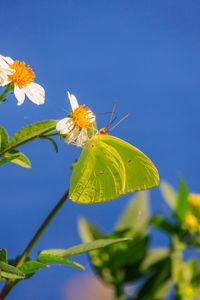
(52, 134)
(9, 284)
(8, 88)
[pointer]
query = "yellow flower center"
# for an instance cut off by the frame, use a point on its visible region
(23, 74)
(194, 200)
(191, 221)
(82, 117)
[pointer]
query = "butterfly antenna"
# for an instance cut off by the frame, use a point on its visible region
(113, 113)
(122, 119)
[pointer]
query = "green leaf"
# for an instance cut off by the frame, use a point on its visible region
(155, 281)
(8, 271)
(59, 260)
(4, 138)
(3, 255)
(31, 132)
(3, 161)
(18, 158)
(31, 266)
(182, 203)
(169, 194)
(153, 257)
(136, 215)
(83, 248)
(163, 289)
(89, 231)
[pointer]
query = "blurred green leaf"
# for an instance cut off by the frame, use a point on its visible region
(3, 255)
(79, 249)
(4, 138)
(31, 132)
(8, 271)
(47, 258)
(183, 271)
(159, 279)
(182, 203)
(185, 274)
(154, 256)
(18, 158)
(163, 289)
(169, 194)
(162, 223)
(89, 231)
(136, 215)
(120, 263)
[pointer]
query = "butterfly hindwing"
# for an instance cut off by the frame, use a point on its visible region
(108, 168)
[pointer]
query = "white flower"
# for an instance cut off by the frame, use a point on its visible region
(76, 126)
(22, 77)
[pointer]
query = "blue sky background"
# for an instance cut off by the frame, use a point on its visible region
(142, 54)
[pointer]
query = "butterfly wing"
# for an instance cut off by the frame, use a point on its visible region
(108, 168)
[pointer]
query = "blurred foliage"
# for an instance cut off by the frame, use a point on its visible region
(158, 273)
(125, 258)
(46, 258)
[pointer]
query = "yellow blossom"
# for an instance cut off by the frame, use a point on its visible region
(22, 77)
(191, 221)
(194, 200)
(75, 126)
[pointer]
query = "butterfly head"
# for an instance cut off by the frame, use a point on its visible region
(104, 131)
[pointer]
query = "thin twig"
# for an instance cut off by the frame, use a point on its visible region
(9, 284)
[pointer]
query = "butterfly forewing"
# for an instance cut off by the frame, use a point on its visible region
(108, 168)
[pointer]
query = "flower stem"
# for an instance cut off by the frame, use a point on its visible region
(8, 88)
(10, 283)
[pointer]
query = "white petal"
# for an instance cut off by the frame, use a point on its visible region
(4, 73)
(3, 77)
(71, 138)
(66, 130)
(35, 93)
(3, 63)
(61, 123)
(82, 138)
(3, 82)
(19, 94)
(91, 117)
(7, 59)
(65, 125)
(73, 101)
(39, 88)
